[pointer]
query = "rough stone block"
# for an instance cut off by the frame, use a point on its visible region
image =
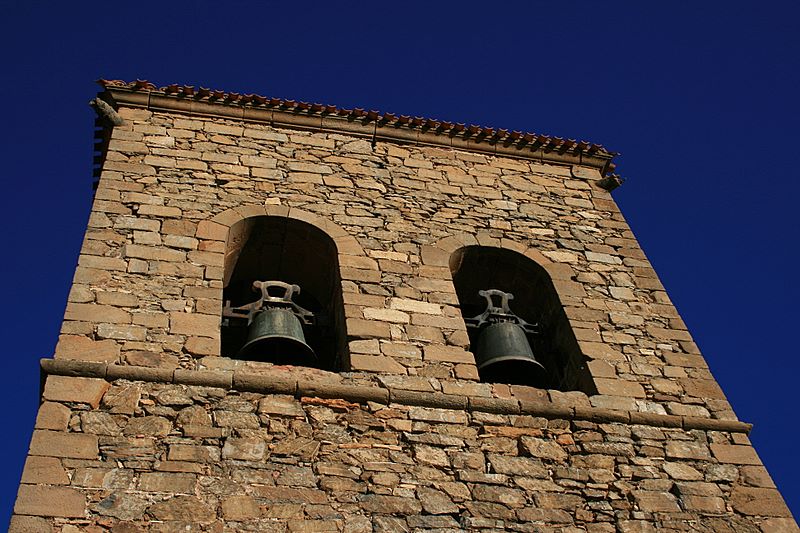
(752, 501)
(386, 315)
(96, 313)
(446, 416)
(183, 508)
(450, 354)
(53, 416)
(367, 329)
(735, 454)
(375, 363)
(656, 502)
(240, 507)
(59, 444)
(619, 387)
(167, 482)
(86, 349)
(687, 450)
(29, 524)
(244, 449)
(194, 324)
(50, 501)
(44, 471)
(75, 389)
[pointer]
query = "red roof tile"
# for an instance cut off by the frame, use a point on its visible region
(546, 142)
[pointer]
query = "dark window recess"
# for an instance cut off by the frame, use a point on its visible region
(282, 295)
(517, 327)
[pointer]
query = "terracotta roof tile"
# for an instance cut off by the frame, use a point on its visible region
(546, 142)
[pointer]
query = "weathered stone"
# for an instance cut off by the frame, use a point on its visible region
(75, 389)
(122, 505)
(60, 444)
(550, 500)
(174, 397)
(450, 354)
(752, 501)
(194, 453)
(375, 363)
(435, 502)
(682, 471)
(86, 349)
(156, 426)
(99, 423)
(184, 508)
(194, 324)
(619, 387)
(378, 504)
(281, 405)
(687, 450)
(302, 447)
(232, 419)
(543, 449)
(431, 456)
(53, 416)
(734, 454)
(96, 313)
(29, 524)
(122, 398)
(509, 497)
(521, 466)
(44, 471)
(437, 415)
(296, 476)
(39, 500)
(240, 507)
(244, 449)
(167, 482)
(656, 502)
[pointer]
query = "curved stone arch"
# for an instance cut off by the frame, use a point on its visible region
(228, 234)
(440, 252)
(217, 229)
(567, 293)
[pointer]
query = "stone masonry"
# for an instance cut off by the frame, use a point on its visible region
(145, 426)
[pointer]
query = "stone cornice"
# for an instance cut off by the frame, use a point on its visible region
(357, 122)
(266, 382)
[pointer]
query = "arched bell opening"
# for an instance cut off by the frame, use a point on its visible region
(282, 294)
(516, 324)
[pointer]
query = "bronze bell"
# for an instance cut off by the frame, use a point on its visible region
(276, 335)
(502, 351)
(275, 326)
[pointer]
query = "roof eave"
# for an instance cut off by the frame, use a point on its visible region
(359, 123)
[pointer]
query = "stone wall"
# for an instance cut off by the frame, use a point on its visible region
(145, 426)
(148, 284)
(130, 456)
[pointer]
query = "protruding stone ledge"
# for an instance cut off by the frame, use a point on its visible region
(353, 393)
(267, 383)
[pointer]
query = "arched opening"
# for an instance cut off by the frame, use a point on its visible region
(533, 323)
(282, 294)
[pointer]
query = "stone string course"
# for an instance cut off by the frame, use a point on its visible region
(144, 426)
(284, 380)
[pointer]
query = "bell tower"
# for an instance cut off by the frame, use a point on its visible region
(294, 317)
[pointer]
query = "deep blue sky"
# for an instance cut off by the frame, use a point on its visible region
(700, 98)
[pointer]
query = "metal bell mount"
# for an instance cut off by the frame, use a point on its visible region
(502, 351)
(275, 325)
